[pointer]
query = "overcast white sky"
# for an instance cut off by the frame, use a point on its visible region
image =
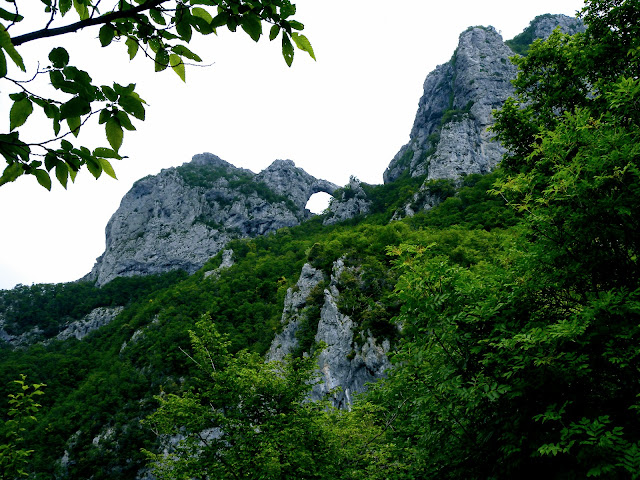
(346, 114)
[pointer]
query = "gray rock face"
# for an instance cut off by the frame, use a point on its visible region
(97, 318)
(345, 365)
(351, 203)
(25, 339)
(227, 262)
(449, 137)
(79, 329)
(543, 25)
(284, 178)
(285, 343)
(181, 217)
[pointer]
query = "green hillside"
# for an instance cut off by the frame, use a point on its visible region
(512, 311)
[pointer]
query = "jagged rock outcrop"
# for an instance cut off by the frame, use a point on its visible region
(543, 25)
(284, 178)
(98, 317)
(351, 203)
(347, 363)
(293, 313)
(183, 216)
(225, 262)
(449, 137)
(23, 340)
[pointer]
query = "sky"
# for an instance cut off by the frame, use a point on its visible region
(348, 113)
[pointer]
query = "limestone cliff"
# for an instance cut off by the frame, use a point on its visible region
(449, 137)
(349, 360)
(351, 202)
(183, 216)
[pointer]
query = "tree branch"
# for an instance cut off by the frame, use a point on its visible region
(74, 27)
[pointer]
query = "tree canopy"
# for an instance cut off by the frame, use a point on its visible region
(158, 29)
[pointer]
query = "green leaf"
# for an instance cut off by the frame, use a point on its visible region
(81, 8)
(94, 167)
(3, 65)
(106, 166)
(162, 60)
(273, 33)
(50, 160)
(183, 24)
(251, 24)
(105, 114)
(65, 6)
(59, 57)
(114, 133)
(124, 120)
(62, 173)
(5, 43)
(202, 13)
(220, 20)
(66, 145)
(156, 16)
(132, 47)
(74, 125)
(296, 25)
(109, 92)
(120, 90)
(19, 113)
(10, 173)
(303, 44)
(43, 178)
(132, 105)
(287, 49)
(106, 153)
(75, 107)
(11, 17)
(106, 34)
(178, 65)
(185, 52)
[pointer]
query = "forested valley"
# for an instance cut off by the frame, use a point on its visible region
(512, 311)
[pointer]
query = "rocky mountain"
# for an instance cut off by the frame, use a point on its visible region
(183, 216)
(318, 284)
(449, 137)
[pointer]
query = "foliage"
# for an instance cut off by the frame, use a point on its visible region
(14, 456)
(48, 307)
(250, 419)
(516, 325)
(159, 29)
(246, 419)
(526, 362)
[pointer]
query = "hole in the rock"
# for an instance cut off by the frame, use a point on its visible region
(318, 202)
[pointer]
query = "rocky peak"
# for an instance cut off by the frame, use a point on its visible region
(544, 25)
(284, 178)
(349, 202)
(449, 137)
(183, 216)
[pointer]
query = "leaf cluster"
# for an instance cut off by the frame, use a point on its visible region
(160, 29)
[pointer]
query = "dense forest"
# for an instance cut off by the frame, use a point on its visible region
(512, 308)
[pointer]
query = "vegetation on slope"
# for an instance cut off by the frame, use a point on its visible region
(517, 351)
